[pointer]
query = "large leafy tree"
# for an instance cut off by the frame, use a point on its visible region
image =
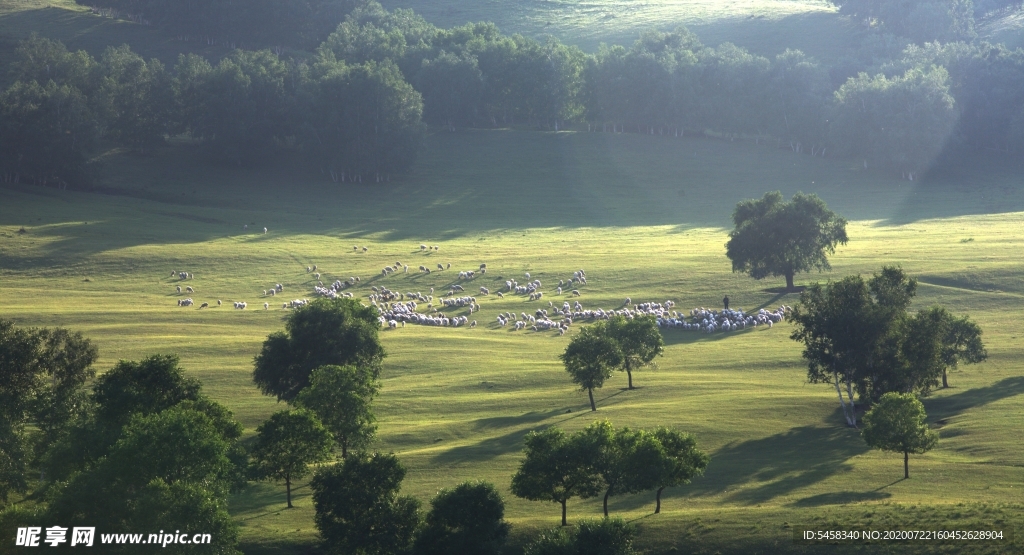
(630, 461)
(42, 374)
(639, 341)
(777, 238)
(287, 444)
(326, 331)
(860, 337)
(169, 470)
(358, 509)
(683, 461)
(897, 423)
(468, 518)
(590, 357)
(557, 468)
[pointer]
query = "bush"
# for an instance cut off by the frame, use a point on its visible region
(606, 536)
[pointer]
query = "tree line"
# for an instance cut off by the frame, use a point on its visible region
(356, 105)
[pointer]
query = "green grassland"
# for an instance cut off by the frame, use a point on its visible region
(646, 217)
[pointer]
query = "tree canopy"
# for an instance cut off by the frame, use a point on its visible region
(590, 357)
(557, 468)
(639, 341)
(897, 423)
(468, 518)
(340, 396)
(859, 336)
(358, 509)
(777, 238)
(324, 332)
(286, 444)
(683, 461)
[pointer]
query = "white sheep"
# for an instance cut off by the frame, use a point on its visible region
(266, 306)
(189, 289)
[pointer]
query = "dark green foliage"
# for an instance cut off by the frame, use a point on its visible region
(922, 20)
(151, 385)
(683, 461)
(859, 335)
(324, 332)
(45, 132)
(340, 396)
(557, 467)
(42, 374)
(630, 461)
(168, 470)
(777, 238)
(897, 423)
(590, 357)
(639, 341)
(607, 536)
(468, 518)
(135, 98)
(287, 444)
(900, 123)
(358, 509)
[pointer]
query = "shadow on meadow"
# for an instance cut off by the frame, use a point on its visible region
(759, 470)
(941, 408)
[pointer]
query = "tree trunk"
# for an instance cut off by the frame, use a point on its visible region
(590, 391)
(945, 383)
(629, 374)
(606, 494)
(657, 498)
(344, 448)
(789, 281)
(564, 523)
(906, 464)
(288, 488)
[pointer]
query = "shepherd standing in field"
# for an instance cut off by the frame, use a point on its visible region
(725, 301)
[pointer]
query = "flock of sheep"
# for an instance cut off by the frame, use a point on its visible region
(397, 309)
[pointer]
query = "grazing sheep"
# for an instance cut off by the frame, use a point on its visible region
(423, 248)
(279, 287)
(218, 302)
(317, 275)
(406, 268)
(189, 289)
(178, 288)
(204, 305)
(308, 269)
(527, 275)
(559, 290)
(314, 267)
(484, 291)
(264, 230)
(355, 247)
(472, 324)
(273, 292)
(501, 295)
(440, 267)
(365, 249)
(483, 266)
(266, 306)
(575, 292)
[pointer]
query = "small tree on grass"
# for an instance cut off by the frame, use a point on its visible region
(358, 509)
(683, 461)
(589, 359)
(468, 518)
(897, 424)
(639, 341)
(558, 468)
(778, 238)
(286, 444)
(341, 396)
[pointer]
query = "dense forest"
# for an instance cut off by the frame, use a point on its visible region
(357, 101)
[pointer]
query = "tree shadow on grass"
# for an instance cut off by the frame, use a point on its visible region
(941, 408)
(840, 498)
(760, 470)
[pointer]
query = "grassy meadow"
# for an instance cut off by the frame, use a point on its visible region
(646, 217)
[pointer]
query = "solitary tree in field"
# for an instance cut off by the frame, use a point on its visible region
(778, 238)
(589, 359)
(341, 397)
(961, 343)
(639, 341)
(897, 424)
(286, 444)
(557, 468)
(683, 461)
(326, 331)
